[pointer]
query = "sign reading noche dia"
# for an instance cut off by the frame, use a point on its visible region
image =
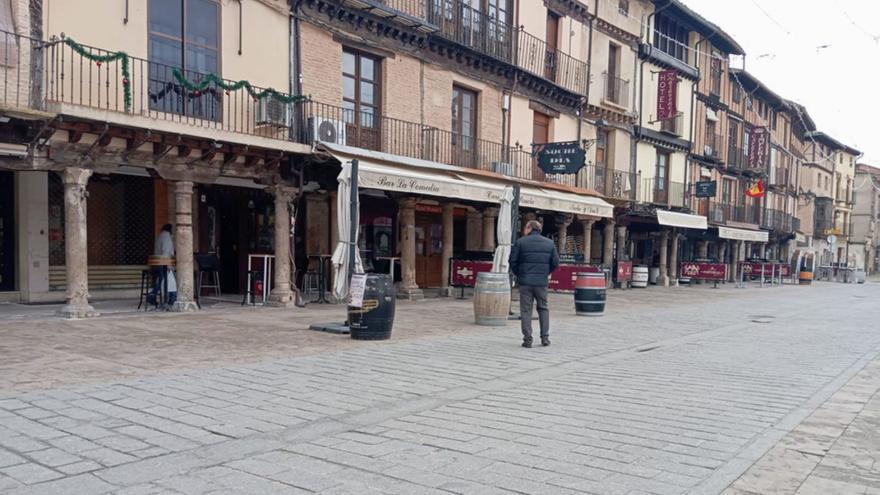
(561, 158)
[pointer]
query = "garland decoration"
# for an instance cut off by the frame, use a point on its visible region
(203, 86)
(109, 57)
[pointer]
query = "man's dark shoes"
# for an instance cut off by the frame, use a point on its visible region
(527, 344)
(545, 341)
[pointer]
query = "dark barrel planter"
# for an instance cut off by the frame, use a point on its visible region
(589, 294)
(375, 319)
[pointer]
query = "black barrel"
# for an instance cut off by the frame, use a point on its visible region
(589, 294)
(373, 321)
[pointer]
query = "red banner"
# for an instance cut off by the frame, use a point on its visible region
(667, 90)
(758, 142)
(464, 274)
(703, 271)
(769, 269)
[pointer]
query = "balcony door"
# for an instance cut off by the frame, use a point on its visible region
(661, 178)
(734, 157)
(552, 38)
(540, 135)
(464, 127)
(612, 79)
(360, 99)
(481, 24)
(184, 35)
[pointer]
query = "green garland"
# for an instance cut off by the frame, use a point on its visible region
(208, 80)
(110, 57)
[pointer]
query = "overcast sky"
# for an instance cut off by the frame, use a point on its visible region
(824, 55)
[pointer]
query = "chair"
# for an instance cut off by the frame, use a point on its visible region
(209, 267)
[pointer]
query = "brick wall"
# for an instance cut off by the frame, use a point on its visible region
(321, 65)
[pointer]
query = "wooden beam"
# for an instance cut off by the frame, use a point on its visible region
(183, 150)
(74, 136)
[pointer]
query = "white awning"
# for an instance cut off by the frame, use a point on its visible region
(410, 175)
(675, 219)
(743, 235)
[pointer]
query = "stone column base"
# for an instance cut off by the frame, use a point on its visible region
(281, 299)
(447, 291)
(76, 311)
(412, 294)
(663, 281)
(185, 307)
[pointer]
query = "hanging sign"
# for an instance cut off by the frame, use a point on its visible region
(705, 189)
(667, 89)
(356, 291)
(561, 158)
(758, 140)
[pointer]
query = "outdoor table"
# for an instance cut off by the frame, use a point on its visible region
(322, 276)
(267, 261)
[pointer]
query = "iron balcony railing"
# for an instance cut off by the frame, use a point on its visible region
(615, 184)
(748, 213)
(21, 61)
(160, 92)
(462, 23)
(662, 192)
(673, 126)
(616, 90)
(736, 158)
(777, 220)
(712, 146)
(720, 212)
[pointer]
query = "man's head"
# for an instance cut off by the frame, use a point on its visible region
(167, 228)
(532, 226)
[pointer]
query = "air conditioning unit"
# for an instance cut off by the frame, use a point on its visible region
(273, 113)
(502, 168)
(327, 130)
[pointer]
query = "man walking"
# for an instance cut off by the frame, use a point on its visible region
(532, 259)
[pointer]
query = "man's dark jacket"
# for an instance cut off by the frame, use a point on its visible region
(533, 258)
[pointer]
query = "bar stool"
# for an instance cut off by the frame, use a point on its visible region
(311, 285)
(146, 290)
(250, 293)
(209, 266)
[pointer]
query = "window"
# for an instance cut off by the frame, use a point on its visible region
(711, 139)
(602, 148)
(726, 188)
(184, 34)
(540, 135)
(613, 87)
(670, 37)
(733, 156)
(715, 72)
(773, 120)
(360, 98)
(623, 7)
(661, 182)
(464, 118)
(9, 41)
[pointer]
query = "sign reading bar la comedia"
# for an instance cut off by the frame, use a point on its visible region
(561, 158)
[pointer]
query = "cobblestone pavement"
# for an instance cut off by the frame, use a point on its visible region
(686, 390)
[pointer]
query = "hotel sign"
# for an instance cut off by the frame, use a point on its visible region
(759, 139)
(667, 88)
(561, 158)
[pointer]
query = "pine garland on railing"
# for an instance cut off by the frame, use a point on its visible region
(197, 88)
(110, 57)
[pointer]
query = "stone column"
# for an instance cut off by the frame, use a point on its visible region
(489, 216)
(704, 249)
(183, 246)
(608, 247)
(663, 276)
(562, 223)
(722, 252)
(75, 244)
(736, 256)
(587, 239)
(448, 242)
(673, 258)
(409, 288)
(282, 295)
(762, 250)
(621, 242)
(474, 239)
(747, 250)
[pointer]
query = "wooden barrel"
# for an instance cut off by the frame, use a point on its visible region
(640, 276)
(589, 294)
(492, 299)
(375, 318)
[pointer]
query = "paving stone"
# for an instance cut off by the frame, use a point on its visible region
(30, 473)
